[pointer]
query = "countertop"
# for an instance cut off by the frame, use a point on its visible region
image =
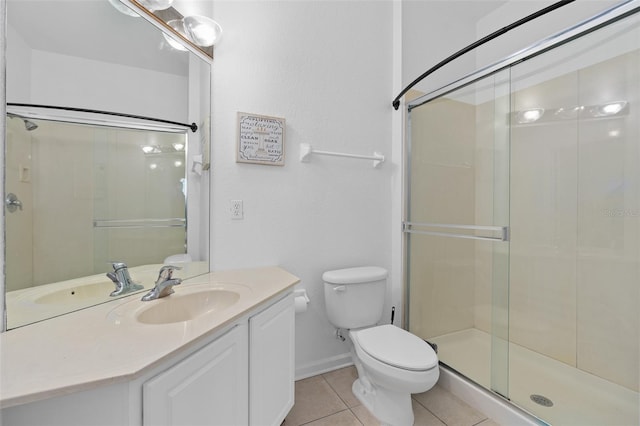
(101, 345)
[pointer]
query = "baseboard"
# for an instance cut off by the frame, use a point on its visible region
(323, 366)
(497, 408)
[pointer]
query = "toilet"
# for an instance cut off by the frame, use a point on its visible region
(391, 362)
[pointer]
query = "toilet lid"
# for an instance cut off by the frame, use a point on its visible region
(397, 347)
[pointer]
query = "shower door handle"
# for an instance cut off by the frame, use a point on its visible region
(440, 230)
(12, 202)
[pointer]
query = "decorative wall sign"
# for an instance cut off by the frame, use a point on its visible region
(260, 139)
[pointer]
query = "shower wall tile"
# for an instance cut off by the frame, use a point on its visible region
(608, 319)
(542, 306)
(608, 227)
(442, 269)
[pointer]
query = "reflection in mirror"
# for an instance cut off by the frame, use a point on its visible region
(89, 189)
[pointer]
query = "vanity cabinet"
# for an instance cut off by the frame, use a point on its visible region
(241, 375)
(208, 387)
(271, 363)
(246, 376)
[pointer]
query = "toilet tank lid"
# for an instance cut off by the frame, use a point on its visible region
(357, 275)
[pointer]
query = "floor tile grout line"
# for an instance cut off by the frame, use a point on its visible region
(432, 413)
(338, 394)
(329, 415)
(356, 416)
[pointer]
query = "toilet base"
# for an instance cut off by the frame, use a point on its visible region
(389, 407)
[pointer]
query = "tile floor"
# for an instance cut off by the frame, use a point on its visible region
(327, 400)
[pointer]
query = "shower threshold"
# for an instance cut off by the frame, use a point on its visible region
(579, 398)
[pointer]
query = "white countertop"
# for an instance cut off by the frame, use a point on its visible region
(97, 345)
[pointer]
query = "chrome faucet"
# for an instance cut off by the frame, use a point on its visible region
(121, 278)
(164, 284)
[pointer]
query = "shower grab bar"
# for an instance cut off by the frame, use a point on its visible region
(306, 150)
(408, 227)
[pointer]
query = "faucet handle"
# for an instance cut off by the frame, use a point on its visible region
(118, 265)
(112, 277)
(166, 272)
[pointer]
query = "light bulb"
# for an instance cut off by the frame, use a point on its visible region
(201, 30)
(178, 26)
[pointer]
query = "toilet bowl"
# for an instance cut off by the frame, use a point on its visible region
(391, 362)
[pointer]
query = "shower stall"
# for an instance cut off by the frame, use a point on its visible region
(523, 224)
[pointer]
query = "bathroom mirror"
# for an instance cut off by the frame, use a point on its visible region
(101, 162)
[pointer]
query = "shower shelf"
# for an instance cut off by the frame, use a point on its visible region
(306, 150)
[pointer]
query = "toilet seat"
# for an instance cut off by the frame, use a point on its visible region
(396, 347)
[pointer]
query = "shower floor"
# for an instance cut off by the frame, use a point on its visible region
(579, 398)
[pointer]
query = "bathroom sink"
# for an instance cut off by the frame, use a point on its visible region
(79, 293)
(180, 307)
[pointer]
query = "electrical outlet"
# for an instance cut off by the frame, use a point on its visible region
(236, 209)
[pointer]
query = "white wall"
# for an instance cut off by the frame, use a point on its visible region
(326, 67)
(432, 31)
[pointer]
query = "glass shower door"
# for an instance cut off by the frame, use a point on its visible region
(575, 217)
(457, 228)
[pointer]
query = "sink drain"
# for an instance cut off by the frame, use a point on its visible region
(541, 400)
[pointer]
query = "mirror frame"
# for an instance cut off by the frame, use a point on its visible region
(147, 15)
(3, 132)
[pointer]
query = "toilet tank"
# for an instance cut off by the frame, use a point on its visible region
(354, 297)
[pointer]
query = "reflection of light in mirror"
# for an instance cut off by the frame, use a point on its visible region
(148, 149)
(177, 163)
(178, 25)
(530, 115)
(178, 146)
(614, 133)
(153, 166)
(123, 8)
(568, 113)
(609, 109)
(156, 4)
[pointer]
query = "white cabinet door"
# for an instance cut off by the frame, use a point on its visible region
(271, 363)
(209, 387)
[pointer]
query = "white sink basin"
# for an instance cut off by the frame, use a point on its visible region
(188, 303)
(185, 307)
(77, 294)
